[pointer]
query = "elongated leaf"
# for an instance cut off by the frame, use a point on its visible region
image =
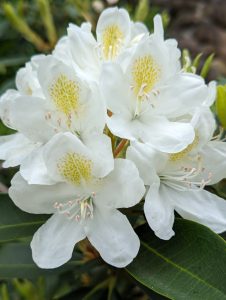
(221, 104)
(15, 223)
(206, 67)
(16, 261)
(14, 61)
(142, 10)
(196, 60)
(189, 266)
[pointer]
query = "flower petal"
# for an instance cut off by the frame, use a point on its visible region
(118, 99)
(113, 236)
(73, 102)
(147, 160)
(166, 136)
(100, 145)
(116, 191)
(39, 199)
(27, 82)
(214, 160)
(200, 206)
(122, 127)
(33, 168)
(28, 113)
(81, 40)
(113, 31)
(158, 210)
(94, 113)
(181, 94)
(52, 245)
(138, 31)
(158, 27)
(6, 102)
(63, 144)
(14, 149)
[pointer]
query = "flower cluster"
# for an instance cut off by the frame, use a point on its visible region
(103, 122)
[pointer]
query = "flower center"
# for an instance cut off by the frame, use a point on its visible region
(145, 73)
(112, 41)
(78, 209)
(65, 94)
(75, 168)
(188, 178)
(180, 155)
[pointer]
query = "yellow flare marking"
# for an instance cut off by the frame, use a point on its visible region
(75, 168)
(180, 155)
(28, 90)
(145, 73)
(65, 94)
(112, 41)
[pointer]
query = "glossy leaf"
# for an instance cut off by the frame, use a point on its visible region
(16, 261)
(15, 223)
(189, 266)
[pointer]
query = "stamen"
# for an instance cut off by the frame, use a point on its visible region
(78, 209)
(146, 72)
(182, 179)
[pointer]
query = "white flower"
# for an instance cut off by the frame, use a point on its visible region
(176, 181)
(148, 91)
(115, 34)
(62, 101)
(83, 202)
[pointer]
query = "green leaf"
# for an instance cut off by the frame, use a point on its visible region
(5, 130)
(13, 61)
(16, 261)
(221, 104)
(206, 67)
(196, 61)
(191, 265)
(14, 223)
(142, 10)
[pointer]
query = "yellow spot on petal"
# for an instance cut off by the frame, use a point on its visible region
(28, 91)
(112, 41)
(145, 74)
(65, 94)
(75, 168)
(180, 155)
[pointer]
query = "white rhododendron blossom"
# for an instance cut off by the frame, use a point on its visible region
(83, 201)
(176, 181)
(104, 122)
(116, 35)
(54, 99)
(151, 91)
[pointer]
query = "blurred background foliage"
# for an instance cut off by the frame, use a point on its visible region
(29, 27)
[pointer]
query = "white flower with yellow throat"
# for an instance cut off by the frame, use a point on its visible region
(148, 90)
(63, 101)
(176, 181)
(83, 202)
(116, 34)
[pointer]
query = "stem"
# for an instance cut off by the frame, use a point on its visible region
(47, 18)
(20, 25)
(111, 286)
(102, 285)
(120, 147)
(111, 136)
